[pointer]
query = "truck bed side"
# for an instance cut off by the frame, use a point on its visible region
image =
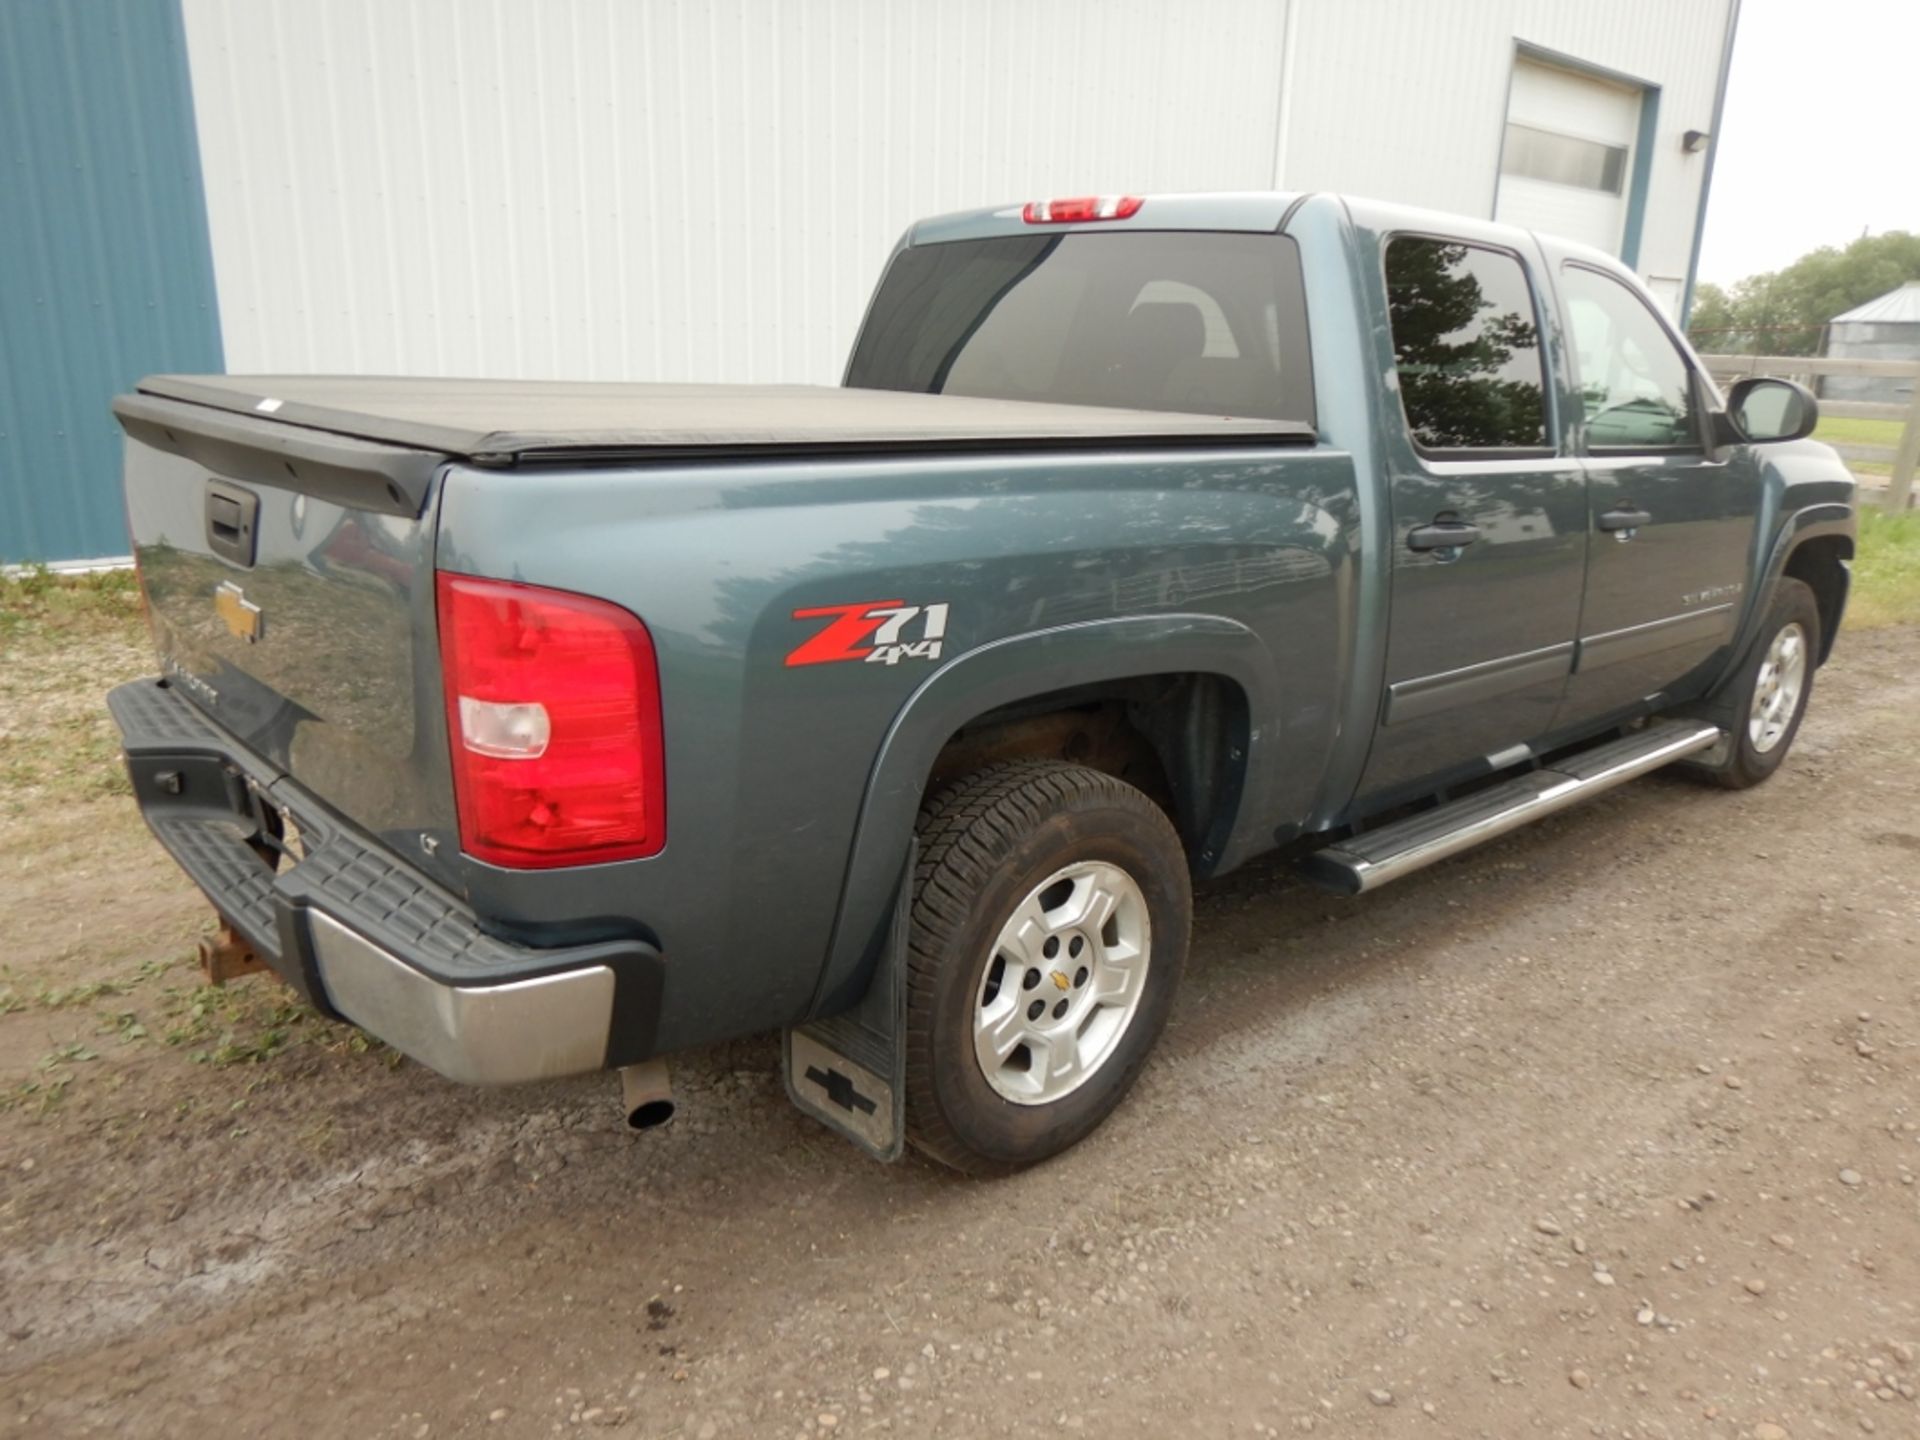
(1034, 557)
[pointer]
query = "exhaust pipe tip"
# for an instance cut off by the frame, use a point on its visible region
(646, 1095)
(651, 1114)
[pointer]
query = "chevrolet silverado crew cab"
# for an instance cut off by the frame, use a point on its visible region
(540, 728)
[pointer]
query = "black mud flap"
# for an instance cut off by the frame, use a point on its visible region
(849, 1070)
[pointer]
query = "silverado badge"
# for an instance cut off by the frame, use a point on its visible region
(242, 616)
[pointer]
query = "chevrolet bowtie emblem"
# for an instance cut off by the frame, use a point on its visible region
(1060, 979)
(242, 616)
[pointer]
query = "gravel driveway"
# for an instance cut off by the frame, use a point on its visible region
(1611, 1129)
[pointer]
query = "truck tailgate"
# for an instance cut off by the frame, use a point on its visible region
(289, 583)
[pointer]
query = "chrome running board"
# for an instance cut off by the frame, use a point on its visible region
(1369, 860)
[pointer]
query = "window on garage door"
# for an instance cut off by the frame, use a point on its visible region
(1564, 159)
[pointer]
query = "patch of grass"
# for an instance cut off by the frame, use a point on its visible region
(53, 997)
(49, 1085)
(82, 993)
(40, 1096)
(251, 1023)
(36, 599)
(1886, 571)
(1836, 431)
(64, 640)
(244, 1024)
(127, 1025)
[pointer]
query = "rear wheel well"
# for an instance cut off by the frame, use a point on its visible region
(1821, 565)
(1180, 738)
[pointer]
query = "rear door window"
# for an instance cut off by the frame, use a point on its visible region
(1197, 322)
(1466, 345)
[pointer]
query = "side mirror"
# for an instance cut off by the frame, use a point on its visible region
(1764, 409)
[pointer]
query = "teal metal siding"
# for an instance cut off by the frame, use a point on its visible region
(106, 272)
(1642, 174)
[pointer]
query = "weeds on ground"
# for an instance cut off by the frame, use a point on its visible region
(247, 1023)
(35, 599)
(47, 1086)
(250, 1022)
(65, 997)
(65, 641)
(84, 993)
(1886, 571)
(254, 1021)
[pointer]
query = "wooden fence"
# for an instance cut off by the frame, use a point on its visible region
(1808, 369)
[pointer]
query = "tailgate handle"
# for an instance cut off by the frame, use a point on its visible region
(233, 516)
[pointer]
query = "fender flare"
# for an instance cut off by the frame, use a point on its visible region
(999, 673)
(1811, 522)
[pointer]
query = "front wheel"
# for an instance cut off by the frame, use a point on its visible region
(1050, 919)
(1761, 704)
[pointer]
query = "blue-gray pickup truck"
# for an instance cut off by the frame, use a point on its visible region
(540, 728)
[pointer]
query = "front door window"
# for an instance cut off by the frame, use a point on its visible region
(1635, 386)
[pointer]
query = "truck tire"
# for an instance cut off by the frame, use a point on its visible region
(1761, 703)
(1049, 925)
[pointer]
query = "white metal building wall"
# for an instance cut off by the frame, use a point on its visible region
(706, 189)
(680, 189)
(1409, 102)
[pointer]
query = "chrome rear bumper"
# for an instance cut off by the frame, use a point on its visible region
(484, 1035)
(363, 935)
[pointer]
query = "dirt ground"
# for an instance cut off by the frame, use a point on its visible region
(1609, 1129)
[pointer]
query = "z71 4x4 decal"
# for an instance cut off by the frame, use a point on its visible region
(874, 631)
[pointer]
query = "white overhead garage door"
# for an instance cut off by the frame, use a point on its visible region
(1568, 154)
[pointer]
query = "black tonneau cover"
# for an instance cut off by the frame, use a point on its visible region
(503, 421)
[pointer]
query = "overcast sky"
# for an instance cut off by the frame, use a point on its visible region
(1821, 135)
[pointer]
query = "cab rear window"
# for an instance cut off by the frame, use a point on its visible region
(1194, 322)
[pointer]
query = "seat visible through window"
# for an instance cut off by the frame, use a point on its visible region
(1186, 321)
(1157, 337)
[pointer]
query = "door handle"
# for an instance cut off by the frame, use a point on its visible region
(1623, 519)
(1442, 535)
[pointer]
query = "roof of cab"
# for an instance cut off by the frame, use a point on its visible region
(1254, 210)
(1246, 210)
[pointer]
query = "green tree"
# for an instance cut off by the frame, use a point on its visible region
(1458, 377)
(1712, 315)
(1785, 312)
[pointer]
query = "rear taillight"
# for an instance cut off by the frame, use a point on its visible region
(553, 718)
(1081, 209)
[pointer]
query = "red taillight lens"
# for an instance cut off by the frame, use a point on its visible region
(1081, 209)
(553, 718)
